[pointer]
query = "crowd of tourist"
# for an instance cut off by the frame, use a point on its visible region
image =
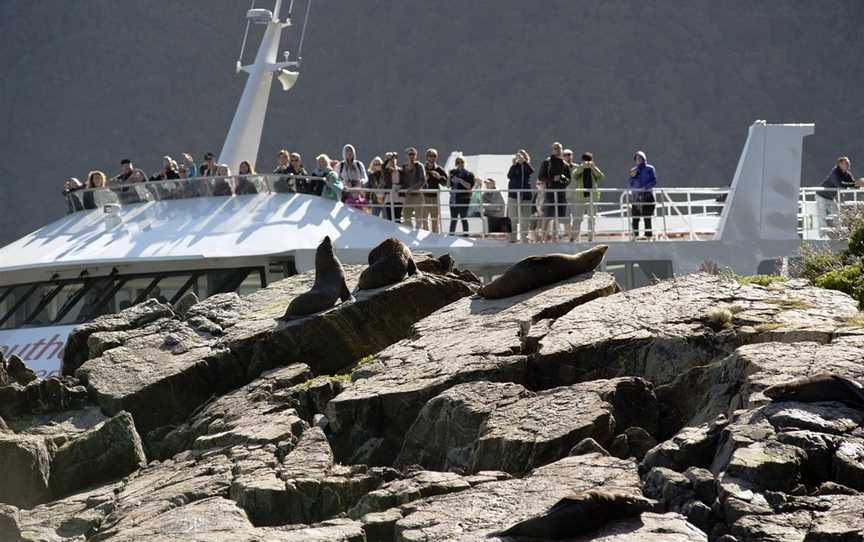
(563, 194)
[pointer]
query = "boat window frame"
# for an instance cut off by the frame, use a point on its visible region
(86, 282)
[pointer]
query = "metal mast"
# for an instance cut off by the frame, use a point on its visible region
(244, 136)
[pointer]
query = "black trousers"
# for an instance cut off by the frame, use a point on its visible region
(459, 209)
(642, 207)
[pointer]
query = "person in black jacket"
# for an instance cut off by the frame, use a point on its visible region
(208, 168)
(555, 174)
(519, 200)
(461, 186)
(826, 200)
(436, 177)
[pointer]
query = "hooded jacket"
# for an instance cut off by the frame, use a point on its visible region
(643, 176)
(352, 175)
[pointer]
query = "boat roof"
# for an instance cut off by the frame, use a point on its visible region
(208, 228)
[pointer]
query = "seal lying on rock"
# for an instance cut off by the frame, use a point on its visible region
(537, 271)
(818, 388)
(389, 263)
(329, 285)
(579, 514)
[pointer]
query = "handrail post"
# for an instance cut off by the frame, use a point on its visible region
(690, 215)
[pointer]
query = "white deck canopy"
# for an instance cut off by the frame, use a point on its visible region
(205, 229)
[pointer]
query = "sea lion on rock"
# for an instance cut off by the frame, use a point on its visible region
(819, 388)
(580, 513)
(537, 271)
(389, 263)
(329, 285)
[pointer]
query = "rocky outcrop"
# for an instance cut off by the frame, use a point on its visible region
(478, 513)
(253, 414)
(225, 342)
(37, 468)
(660, 331)
(480, 415)
(483, 425)
(104, 453)
(25, 466)
(470, 340)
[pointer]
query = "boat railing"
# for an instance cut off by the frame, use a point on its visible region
(604, 214)
(821, 217)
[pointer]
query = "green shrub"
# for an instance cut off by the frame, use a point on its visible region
(761, 280)
(848, 279)
(856, 242)
(816, 264)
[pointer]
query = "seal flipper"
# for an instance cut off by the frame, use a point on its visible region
(345, 294)
(412, 267)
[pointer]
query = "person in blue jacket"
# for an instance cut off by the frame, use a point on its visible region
(642, 181)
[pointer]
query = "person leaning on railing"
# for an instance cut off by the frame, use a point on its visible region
(376, 184)
(493, 208)
(643, 179)
(73, 203)
(555, 174)
(826, 200)
(332, 188)
(352, 173)
(582, 195)
(221, 185)
(413, 180)
(392, 182)
(461, 185)
(436, 177)
(247, 181)
(168, 171)
(519, 199)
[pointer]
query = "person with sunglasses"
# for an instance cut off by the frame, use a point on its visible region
(413, 180)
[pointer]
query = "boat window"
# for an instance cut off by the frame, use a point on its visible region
(74, 301)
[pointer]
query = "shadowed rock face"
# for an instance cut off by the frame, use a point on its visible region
(225, 342)
(473, 339)
(485, 414)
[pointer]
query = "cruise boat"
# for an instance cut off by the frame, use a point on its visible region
(131, 242)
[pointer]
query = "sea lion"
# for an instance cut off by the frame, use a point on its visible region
(819, 388)
(580, 513)
(329, 285)
(537, 271)
(389, 263)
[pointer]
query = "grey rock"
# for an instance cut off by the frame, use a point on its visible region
(588, 446)
(151, 492)
(380, 526)
(182, 306)
(477, 513)
(104, 453)
(78, 349)
(225, 342)
(658, 332)
(418, 485)
(703, 484)
(671, 488)
(445, 432)
(650, 527)
(639, 441)
(619, 447)
(502, 426)
(253, 414)
(848, 464)
(699, 514)
(18, 371)
(42, 396)
(469, 340)
(307, 487)
(9, 527)
(690, 447)
(25, 466)
(75, 516)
